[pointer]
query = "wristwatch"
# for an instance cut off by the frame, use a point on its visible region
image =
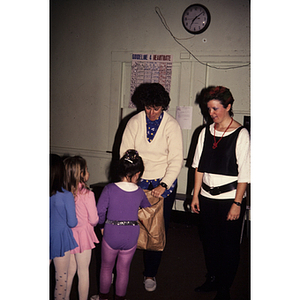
(164, 185)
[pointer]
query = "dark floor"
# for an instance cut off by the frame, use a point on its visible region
(181, 270)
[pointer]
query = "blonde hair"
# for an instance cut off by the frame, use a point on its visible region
(75, 173)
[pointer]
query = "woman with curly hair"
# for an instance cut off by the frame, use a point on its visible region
(157, 137)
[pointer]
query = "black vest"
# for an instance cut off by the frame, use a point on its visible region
(221, 160)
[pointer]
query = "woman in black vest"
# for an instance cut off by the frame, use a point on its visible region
(222, 172)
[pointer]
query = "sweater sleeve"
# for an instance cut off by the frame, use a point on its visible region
(175, 153)
(102, 205)
(70, 210)
(128, 139)
(91, 208)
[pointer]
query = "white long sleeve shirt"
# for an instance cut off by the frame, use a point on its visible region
(242, 151)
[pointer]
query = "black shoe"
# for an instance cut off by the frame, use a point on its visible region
(209, 285)
(223, 294)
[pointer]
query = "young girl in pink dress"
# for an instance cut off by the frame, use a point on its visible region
(76, 177)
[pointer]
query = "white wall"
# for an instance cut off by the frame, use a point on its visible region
(91, 46)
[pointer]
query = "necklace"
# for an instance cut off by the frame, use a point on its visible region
(215, 144)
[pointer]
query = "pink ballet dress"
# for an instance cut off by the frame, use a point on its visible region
(87, 217)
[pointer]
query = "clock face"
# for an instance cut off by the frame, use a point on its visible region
(196, 19)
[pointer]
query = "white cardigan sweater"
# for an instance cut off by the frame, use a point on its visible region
(163, 157)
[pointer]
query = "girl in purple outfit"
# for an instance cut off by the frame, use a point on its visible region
(121, 202)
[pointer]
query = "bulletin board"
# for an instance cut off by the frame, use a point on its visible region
(151, 68)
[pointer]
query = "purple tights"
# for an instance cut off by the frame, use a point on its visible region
(108, 258)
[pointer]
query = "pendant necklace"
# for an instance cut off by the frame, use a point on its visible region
(215, 144)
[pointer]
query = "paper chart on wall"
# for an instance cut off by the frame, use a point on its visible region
(184, 116)
(150, 68)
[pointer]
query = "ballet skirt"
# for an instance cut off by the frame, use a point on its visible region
(87, 215)
(62, 218)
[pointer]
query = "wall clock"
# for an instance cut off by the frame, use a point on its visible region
(196, 18)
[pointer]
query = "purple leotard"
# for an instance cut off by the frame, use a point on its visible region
(120, 205)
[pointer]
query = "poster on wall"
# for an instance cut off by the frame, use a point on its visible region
(184, 116)
(150, 68)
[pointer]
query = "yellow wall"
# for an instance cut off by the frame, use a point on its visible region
(91, 47)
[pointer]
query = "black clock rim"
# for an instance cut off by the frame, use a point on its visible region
(206, 25)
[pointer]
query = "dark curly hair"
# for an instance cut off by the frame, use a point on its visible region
(150, 94)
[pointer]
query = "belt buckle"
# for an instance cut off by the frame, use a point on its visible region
(215, 191)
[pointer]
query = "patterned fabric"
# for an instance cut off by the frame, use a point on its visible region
(152, 127)
(146, 183)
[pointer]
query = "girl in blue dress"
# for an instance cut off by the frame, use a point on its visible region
(62, 219)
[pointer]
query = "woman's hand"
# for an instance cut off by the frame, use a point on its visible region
(158, 191)
(234, 212)
(195, 204)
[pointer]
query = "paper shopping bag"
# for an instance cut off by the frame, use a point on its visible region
(152, 225)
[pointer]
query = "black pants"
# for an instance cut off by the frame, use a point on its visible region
(221, 239)
(152, 258)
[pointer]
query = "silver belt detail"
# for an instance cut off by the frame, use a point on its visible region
(122, 223)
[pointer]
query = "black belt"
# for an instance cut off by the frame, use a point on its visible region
(220, 189)
(122, 223)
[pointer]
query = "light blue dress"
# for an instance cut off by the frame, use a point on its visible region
(62, 219)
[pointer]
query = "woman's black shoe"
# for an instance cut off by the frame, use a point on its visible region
(209, 285)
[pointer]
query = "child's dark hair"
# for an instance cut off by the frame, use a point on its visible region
(130, 164)
(57, 174)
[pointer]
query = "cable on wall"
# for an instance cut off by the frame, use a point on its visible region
(164, 22)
